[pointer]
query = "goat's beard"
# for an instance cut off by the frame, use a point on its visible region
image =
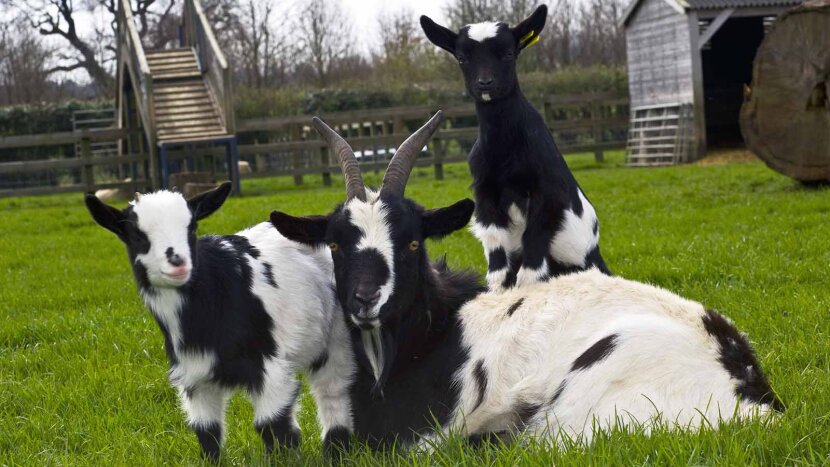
(378, 346)
(373, 348)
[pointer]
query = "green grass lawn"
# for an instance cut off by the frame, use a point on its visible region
(83, 372)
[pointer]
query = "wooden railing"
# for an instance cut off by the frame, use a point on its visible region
(131, 49)
(288, 146)
(198, 34)
(78, 173)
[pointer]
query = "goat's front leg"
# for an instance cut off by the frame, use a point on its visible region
(330, 377)
(500, 235)
(543, 216)
(205, 406)
(274, 403)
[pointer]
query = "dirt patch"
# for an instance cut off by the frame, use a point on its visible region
(727, 156)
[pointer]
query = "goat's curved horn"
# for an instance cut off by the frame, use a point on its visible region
(345, 156)
(397, 174)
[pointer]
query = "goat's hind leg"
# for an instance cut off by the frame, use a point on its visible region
(273, 405)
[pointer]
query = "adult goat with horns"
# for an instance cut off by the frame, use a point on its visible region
(547, 359)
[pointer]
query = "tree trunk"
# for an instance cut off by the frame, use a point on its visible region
(785, 118)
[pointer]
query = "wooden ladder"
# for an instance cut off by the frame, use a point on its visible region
(659, 135)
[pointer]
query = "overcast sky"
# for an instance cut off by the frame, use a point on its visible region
(364, 14)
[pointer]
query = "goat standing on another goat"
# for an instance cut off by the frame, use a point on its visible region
(238, 311)
(531, 216)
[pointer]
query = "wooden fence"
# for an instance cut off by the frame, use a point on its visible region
(288, 146)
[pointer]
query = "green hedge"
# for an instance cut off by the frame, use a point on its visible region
(45, 118)
(375, 92)
(379, 93)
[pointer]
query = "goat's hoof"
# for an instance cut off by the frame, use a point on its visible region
(336, 442)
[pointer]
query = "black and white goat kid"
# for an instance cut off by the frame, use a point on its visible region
(237, 311)
(548, 359)
(531, 215)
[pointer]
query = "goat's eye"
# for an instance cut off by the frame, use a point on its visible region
(508, 56)
(413, 245)
(461, 59)
(333, 246)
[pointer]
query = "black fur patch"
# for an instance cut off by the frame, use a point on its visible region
(480, 374)
(242, 245)
(140, 274)
(525, 411)
(492, 438)
(601, 349)
(279, 432)
(738, 359)
(210, 437)
(497, 260)
(515, 306)
(596, 227)
(558, 393)
(319, 362)
(269, 275)
(337, 439)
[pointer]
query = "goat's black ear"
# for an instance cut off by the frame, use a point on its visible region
(309, 230)
(105, 215)
(439, 35)
(527, 32)
(444, 221)
(205, 204)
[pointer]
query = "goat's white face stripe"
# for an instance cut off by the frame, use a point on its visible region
(370, 218)
(479, 32)
(164, 217)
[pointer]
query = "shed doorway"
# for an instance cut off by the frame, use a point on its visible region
(727, 66)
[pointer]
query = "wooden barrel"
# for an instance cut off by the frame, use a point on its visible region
(785, 118)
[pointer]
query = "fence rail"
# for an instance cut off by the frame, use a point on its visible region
(288, 146)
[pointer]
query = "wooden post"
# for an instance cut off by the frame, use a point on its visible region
(699, 98)
(324, 163)
(88, 174)
(438, 157)
(296, 154)
(597, 130)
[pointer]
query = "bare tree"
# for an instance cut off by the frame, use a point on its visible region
(24, 77)
(601, 39)
(95, 53)
(556, 41)
(260, 52)
(463, 12)
(403, 48)
(325, 37)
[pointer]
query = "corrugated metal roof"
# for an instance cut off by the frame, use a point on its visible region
(684, 5)
(710, 4)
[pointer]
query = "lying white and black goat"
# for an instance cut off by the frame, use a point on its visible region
(237, 311)
(531, 215)
(547, 359)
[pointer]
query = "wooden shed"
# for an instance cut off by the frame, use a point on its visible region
(688, 62)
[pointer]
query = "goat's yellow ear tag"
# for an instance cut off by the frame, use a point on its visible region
(528, 39)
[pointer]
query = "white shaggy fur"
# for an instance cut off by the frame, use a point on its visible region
(575, 237)
(480, 32)
(663, 365)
